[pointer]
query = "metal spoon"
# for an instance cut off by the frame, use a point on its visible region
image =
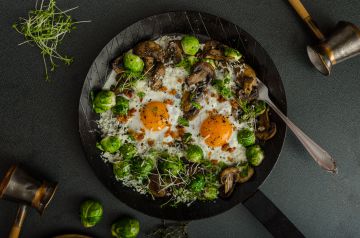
(319, 154)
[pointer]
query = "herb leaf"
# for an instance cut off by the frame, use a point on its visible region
(183, 121)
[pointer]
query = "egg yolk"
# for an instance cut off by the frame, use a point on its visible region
(154, 116)
(216, 130)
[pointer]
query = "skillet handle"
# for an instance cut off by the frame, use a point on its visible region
(271, 217)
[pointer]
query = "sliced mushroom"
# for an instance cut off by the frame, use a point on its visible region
(155, 187)
(174, 52)
(149, 64)
(190, 112)
(265, 129)
(155, 81)
(117, 65)
(249, 84)
(213, 50)
(211, 44)
(228, 179)
(149, 49)
(202, 71)
(250, 173)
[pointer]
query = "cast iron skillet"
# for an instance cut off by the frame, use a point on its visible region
(204, 26)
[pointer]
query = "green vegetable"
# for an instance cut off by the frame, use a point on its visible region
(121, 107)
(143, 166)
(222, 87)
(104, 101)
(232, 53)
(197, 184)
(254, 155)
(210, 61)
(128, 80)
(183, 121)
(133, 62)
(125, 228)
(46, 28)
(194, 153)
(259, 107)
(196, 105)
(141, 95)
(190, 45)
(186, 137)
(246, 137)
(128, 151)
(91, 213)
(188, 62)
(109, 144)
(171, 165)
(211, 192)
(121, 169)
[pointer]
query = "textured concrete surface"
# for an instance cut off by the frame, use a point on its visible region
(38, 119)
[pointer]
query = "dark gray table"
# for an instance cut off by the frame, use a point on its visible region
(39, 126)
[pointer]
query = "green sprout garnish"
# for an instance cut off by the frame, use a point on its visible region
(46, 28)
(196, 105)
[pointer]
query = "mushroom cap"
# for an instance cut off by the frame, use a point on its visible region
(201, 71)
(265, 129)
(150, 49)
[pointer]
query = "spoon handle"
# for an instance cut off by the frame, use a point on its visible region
(319, 154)
(305, 16)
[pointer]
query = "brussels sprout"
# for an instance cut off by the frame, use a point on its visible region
(210, 61)
(246, 137)
(143, 166)
(186, 138)
(171, 164)
(125, 228)
(211, 192)
(103, 101)
(197, 184)
(232, 53)
(121, 169)
(259, 107)
(133, 62)
(194, 153)
(91, 213)
(190, 45)
(128, 151)
(254, 155)
(109, 144)
(121, 107)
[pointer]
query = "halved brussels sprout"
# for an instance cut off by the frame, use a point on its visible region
(194, 153)
(133, 62)
(143, 166)
(232, 53)
(211, 192)
(255, 155)
(128, 151)
(125, 228)
(121, 107)
(109, 144)
(190, 45)
(103, 101)
(121, 169)
(171, 164)
(91, 213)
(246, 137)
(197, 184)
(259, 107)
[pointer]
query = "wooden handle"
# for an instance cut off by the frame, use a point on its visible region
(19, 221)
(304, 14)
